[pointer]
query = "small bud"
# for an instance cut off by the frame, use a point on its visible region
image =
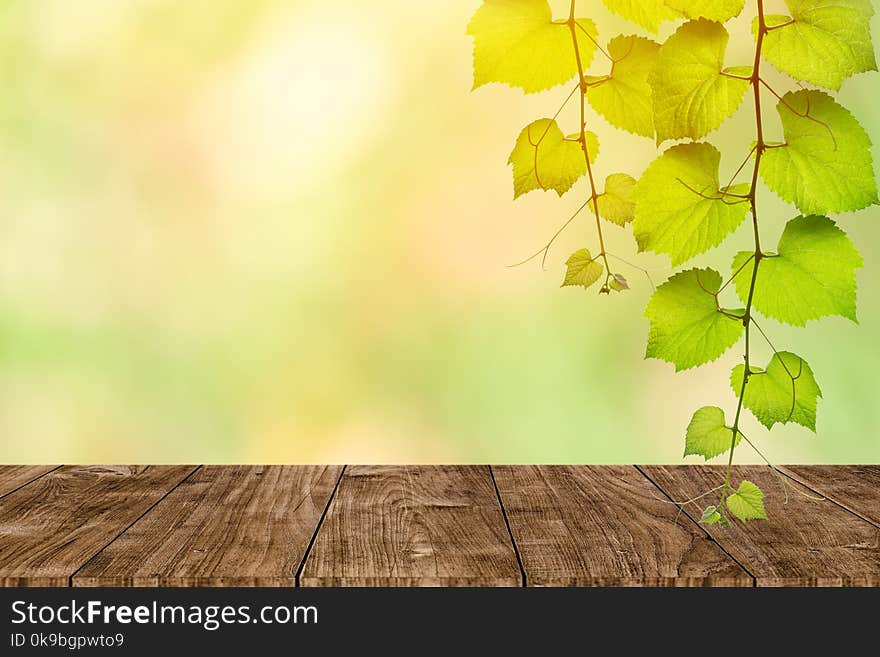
(619, 283)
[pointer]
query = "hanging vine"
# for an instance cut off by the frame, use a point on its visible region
(682, 90)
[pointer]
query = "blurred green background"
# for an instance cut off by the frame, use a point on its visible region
(278, 231)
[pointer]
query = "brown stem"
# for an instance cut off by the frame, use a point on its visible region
(582, 138)
(760, 147)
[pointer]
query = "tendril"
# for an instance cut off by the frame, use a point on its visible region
(546, 249)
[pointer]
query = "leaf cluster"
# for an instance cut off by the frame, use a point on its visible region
(816, 157)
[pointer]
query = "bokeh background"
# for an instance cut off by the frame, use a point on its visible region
(279, 231)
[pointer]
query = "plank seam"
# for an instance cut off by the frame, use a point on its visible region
(798, 479)
(130, 525)
(308, 552)
(30, 481)
(705, 533)
(519, 561)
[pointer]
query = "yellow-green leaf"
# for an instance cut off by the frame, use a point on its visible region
(715, 10)
(812, 274)
(616, 204)
(708, 434)
(747, 503)
(823, 41)
(687, 327)
(825, 164)
(583, 270)
(785, 392)
(624, 96)
(647, 13)
(618, 283)
(680, 209)
(544, 158)
(710, 516)
(692, 96)
(517, 42)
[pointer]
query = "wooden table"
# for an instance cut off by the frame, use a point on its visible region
(429, 526)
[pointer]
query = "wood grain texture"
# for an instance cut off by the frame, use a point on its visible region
(52, 526)
(854, 487)
(606, 526)
(16, 476)
(413, 526)
(224, 526)
(804, 543)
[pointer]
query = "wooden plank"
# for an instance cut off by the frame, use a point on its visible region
(51, 527)
(224, 526)
(854, 487)
(606, 526)
(804, 543)
(413, 526)
(16, 476)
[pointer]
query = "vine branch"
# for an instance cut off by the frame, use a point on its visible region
(759, 149)
(582, 138)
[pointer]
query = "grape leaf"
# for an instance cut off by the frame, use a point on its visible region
(647, 13)
(812, 276)
(544, 158)
(692, 97)
(785, 392)
(583, 269)
(747, 503)
(687, 327)
(518, 43)
(707, 434)
(710, 515)
(825, 165)
(715, 10)
(618, 283)
(616, 204)
(680, 209)
(823, 41)
(624, 96)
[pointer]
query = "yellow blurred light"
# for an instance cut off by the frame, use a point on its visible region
(298, 106)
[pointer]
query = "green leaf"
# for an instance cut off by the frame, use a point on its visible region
(747, 503)
(647, 13)
(785, 392)
(518, 43)
(825, 165)
(715, 10)
(618, 283)
(616, 204)
(583, 269)
(680, 209)
(624, 96)
(813, 275)
(691, 95)
(687, 328)
(710, 515)
(708, 435)
(544, 158)
(823, 41)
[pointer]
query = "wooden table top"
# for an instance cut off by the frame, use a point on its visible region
(430, 526)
